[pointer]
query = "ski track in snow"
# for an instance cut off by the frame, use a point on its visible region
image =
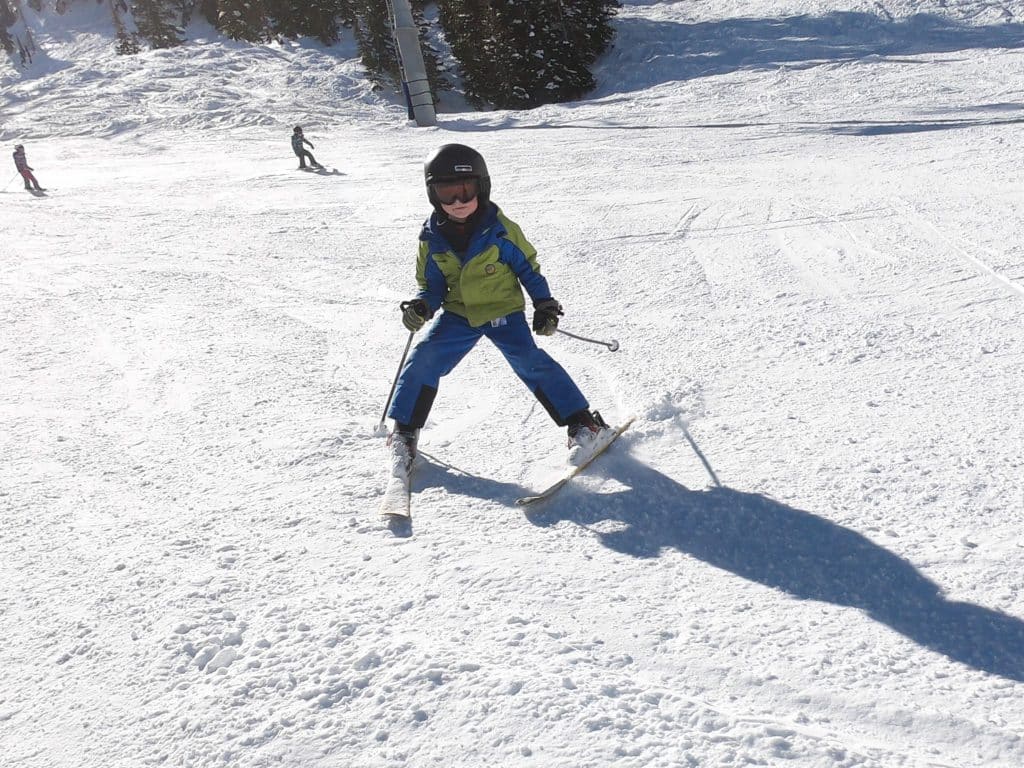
(801, 221)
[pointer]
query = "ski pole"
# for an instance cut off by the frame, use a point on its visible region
(381, 429)
(613, 345)
(10, 180)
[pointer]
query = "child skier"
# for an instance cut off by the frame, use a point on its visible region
(472, 262)
(21, 163)
(297, 141)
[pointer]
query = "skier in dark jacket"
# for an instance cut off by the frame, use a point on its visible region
(21, 163)
(297, 147)
(473, 263)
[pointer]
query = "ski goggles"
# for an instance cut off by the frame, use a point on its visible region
(463, 190)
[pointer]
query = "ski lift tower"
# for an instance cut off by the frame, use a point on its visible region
(414, 74)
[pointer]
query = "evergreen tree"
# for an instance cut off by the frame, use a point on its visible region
(373, 28)
(307, 18)
(518, 54)
(280, 13)
(158, 21)
(127, 42)
(208, 10)
(470, 27)
(7, 18)
(243, 19)
(184, 10)
(588, 25)
(431, 58)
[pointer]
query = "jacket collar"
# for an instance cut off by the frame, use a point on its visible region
(488, 225)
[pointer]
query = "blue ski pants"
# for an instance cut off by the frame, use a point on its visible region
(447, 342)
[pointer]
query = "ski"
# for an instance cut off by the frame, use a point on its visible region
(397, 496)
(550, 491)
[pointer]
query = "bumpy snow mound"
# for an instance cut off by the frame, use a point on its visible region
(77, 84)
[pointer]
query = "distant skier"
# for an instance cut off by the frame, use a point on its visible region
(21, 163)
(472, 262)
(301, 152)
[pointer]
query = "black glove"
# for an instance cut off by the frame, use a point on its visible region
(545, 317)
(415, 314)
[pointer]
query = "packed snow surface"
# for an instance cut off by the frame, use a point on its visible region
(800, 220)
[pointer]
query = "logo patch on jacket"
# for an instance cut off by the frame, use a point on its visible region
(490, 269)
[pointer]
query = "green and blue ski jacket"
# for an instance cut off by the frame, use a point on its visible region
(484, 284)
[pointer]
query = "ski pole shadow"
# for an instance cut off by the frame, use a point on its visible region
(435, 473)
(432, 472)
(806, 556)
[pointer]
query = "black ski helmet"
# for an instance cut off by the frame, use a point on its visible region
(456, 161)
(298, 129)
(17, 147)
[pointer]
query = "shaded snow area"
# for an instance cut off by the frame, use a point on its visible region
(800, 220)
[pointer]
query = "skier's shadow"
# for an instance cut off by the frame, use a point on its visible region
(324, 172)
(432, 472)
(809, 557)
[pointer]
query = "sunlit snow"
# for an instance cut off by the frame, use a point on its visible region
(802, 222)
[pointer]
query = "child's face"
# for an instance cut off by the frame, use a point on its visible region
(460, 211)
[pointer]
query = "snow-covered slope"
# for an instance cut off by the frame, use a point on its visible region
(75, 84)
(807, 551)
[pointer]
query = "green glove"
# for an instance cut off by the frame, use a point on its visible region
(545, 317)
(415, 314)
